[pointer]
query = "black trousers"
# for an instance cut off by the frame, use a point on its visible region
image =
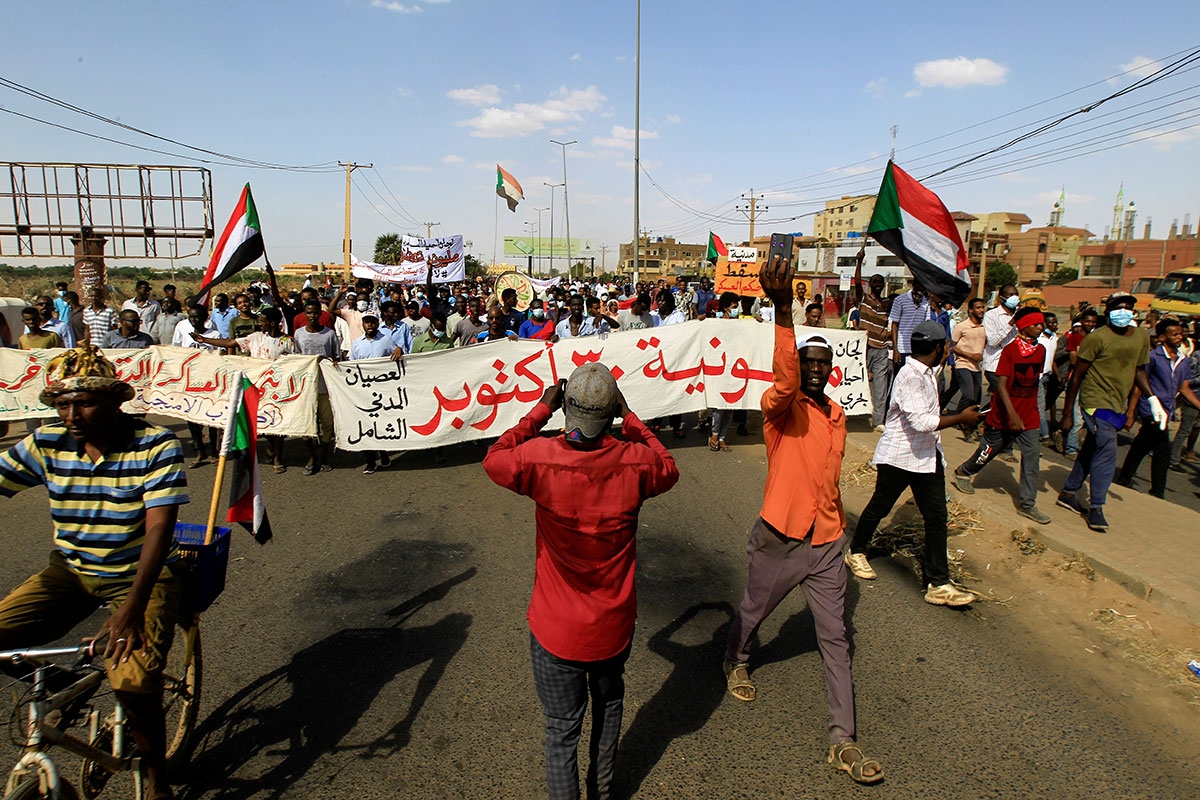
(929, 491)
(1156, 443)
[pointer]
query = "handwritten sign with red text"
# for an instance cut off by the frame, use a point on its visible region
(177, 382)
(435, 399)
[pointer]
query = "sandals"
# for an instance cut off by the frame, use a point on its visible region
(713, 444)
(280, 469)
(858, 765)
(737, 676)
(724, 448)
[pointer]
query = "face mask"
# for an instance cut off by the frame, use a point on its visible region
(539, 313)
(61, 293)
(362, 305)
(420, 295)
(436, 333)
(734, 314)
(1120, 317)
(720, 314)
(1011, 302)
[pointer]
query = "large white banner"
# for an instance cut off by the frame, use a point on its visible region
(434, 399)
(443, 255)
(178, 382)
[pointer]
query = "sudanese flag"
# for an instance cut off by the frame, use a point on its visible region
(240, 245)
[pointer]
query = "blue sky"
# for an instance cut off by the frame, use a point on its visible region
(792, 98)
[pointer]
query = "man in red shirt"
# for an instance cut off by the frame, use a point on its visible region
(588, 487)
(1014, 416)
(800, 533)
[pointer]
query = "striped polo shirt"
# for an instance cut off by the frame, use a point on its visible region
(872, 315)
(99, 507)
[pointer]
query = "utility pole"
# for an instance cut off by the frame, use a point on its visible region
(429, 228)
(637, 137)
(350, 167)
(895, 129)
(539, 237)
(603, 258)
(751, 209)
(566, 207)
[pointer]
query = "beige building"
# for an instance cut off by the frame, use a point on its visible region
(663, 257)
(1038, 252)
(847, 215)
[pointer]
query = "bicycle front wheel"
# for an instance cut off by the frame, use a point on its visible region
(30, 789)
(181, 693)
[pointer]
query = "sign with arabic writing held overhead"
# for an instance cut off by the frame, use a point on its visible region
(443, 255)
(178, 382)
(738, 274)
(480, 391)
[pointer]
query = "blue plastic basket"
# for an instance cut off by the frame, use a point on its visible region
(207, 563)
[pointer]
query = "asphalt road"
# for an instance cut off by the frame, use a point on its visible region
(378, 648)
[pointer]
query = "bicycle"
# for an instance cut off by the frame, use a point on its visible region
(51, 712)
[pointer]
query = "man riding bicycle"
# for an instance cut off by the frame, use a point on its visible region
(115, 484)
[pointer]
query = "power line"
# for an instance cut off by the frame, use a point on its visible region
(38, 95)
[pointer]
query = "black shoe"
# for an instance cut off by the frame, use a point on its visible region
(1096, 520)
(1070, 502)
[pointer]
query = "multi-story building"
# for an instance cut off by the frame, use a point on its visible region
(845, 218)
(1038, 252)
(663, 257)
(1120, 263)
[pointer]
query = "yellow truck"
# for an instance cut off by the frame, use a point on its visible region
(1179, 294)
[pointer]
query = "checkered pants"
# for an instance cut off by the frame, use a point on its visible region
(563, 687)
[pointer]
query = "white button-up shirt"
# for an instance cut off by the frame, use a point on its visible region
(997, 324)
(911, 440)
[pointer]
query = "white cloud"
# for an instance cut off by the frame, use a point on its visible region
(1018, 177)
(1051, 197)
(399, 8)
(564, 105)
(576, 57)
(402, 8)
(860, 169)
(403, 91)
(876, 88)
(955, 73)
(911, 93)
(622, 137)
(452, 159)
(674, 119)
(699, 178)
(1163, 140)
(487, 94)
(1140, 66)
(413, 168)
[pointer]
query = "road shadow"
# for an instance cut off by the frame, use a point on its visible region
(279, 725)
(684, 702)
(798, 635)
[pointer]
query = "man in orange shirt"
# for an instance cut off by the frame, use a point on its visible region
(800, 534)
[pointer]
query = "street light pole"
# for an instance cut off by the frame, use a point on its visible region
(637, 136)
(553, 186)
(539, 236)
(566, 206)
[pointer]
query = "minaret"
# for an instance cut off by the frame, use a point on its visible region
(1056, 214)
(1118, 213)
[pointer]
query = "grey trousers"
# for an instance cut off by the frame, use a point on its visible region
(879, 367)
(563, 687)
(993, 442)
(778, 565)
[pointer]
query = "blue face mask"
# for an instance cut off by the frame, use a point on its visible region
(1120, 317)
(1011, 302)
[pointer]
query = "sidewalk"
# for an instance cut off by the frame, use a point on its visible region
(1152, 547)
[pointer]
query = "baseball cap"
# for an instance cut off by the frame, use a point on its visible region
(588, 402)
(929, 331)
(814, 340)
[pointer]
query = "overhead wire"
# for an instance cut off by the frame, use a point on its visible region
(246, 162)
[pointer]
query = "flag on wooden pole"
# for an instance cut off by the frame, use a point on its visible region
(246, 504)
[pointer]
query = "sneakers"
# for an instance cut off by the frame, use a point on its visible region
(1096, 520)
(369, 469)
(963, 483)
(1070, 502)
(879, 429)
(858, 564)
(948, 595)
(1035, 515)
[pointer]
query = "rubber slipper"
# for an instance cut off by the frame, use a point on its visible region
(737, 676)
(855, 768)
(280, 469)
(310, 470)
(326, 468)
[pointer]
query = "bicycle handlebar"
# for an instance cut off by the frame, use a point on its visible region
(16, 656)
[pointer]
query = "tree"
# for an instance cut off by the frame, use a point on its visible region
(1063, 274)
(387, 249)
(1000, 273)
(475, 268)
